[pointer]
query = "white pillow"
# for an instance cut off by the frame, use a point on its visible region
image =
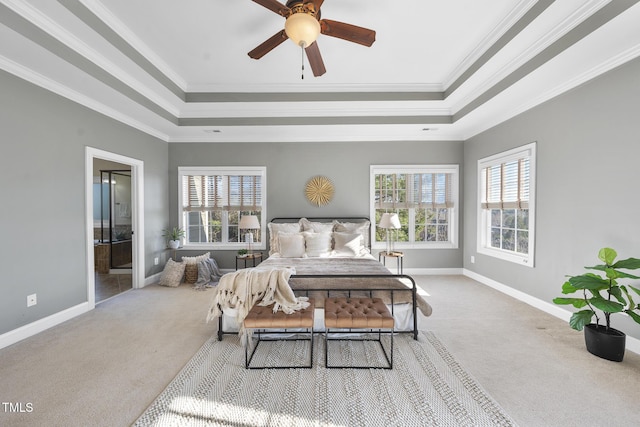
(172, 273)
(317, 244)
(316, 227)
(275, 228)
(348, 244)
(291, 245)
(355, 227)
(196, 259)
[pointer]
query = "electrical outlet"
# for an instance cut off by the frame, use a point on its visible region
(32, 300)
(156, 261)
(473, 259)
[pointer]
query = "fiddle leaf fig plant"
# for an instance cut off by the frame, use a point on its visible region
(602, 292)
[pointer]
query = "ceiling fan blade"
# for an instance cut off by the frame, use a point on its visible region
(352, 33)
(315, 59)
(270, 44)
(275, 6)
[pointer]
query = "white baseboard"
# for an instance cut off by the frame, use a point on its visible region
(154, 278)
(38, 326)
(632, 344)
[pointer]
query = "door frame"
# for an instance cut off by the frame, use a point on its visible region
(137, 218)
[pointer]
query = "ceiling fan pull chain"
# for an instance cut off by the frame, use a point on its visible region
(302, 57)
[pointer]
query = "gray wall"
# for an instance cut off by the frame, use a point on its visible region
(42, 164)
(587, 149)
(588, 145)
(290, 165)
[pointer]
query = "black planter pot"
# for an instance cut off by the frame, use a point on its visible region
(605, 344)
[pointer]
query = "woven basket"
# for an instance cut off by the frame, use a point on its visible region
(191, 273)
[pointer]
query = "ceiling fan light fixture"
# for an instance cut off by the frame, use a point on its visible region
(303, 25)
(302, 28)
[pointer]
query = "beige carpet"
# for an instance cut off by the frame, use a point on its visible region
(106, 367)
(426, 387)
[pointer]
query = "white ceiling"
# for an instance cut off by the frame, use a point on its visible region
(439, 70)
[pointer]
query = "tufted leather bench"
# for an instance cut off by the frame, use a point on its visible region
(263, 319)
(357, 313)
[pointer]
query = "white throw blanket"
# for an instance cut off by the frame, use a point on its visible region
(242, 289)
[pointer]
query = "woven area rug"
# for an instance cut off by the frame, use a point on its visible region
(426, 387)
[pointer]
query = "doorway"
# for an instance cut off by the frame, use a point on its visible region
(112, 228)
(114, 222)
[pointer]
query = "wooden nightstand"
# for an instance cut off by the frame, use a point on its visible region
(252, 256)
(399, 256)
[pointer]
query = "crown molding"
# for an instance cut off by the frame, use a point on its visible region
(100, 11)
(68, 93)
(276, 109)
(41, 21)
(593, 72)
(581, 78)
(535, 48)
(304, 87)
(334, 137)
(498, 31)
(405, 114)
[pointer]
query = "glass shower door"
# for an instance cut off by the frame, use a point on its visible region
(121, 220)
(115, 209)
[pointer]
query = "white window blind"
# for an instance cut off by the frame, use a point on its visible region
(507, 185)
(506, 199)
(425, 199)
(432, 190)
(419, 190)
(221, 192)
(212, 200)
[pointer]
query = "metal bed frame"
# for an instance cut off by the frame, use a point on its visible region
(329, 289)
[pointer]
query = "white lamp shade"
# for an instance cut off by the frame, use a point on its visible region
(249, 222)
(303, 29)
(389, 220)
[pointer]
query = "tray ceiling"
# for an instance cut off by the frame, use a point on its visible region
(437, 71)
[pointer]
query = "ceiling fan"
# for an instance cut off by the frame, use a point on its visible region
(303, 26)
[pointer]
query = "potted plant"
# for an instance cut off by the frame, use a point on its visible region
(173, 237)
(605, 295)
(242, 252)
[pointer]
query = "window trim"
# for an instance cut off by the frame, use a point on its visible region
(482, 223)
(226, 170)
(453, 169)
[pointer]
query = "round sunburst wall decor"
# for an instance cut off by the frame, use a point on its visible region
(319, 190)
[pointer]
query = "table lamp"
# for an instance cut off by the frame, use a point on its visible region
(249, 223)
(390, 221)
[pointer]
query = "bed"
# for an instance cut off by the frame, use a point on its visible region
(332, 257)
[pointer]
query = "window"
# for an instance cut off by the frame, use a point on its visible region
(425, 199)
(212, 200)
(507, 205)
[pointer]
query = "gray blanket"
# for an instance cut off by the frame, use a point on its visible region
(208, 274)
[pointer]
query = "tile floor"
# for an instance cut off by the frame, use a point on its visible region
(108, 285)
